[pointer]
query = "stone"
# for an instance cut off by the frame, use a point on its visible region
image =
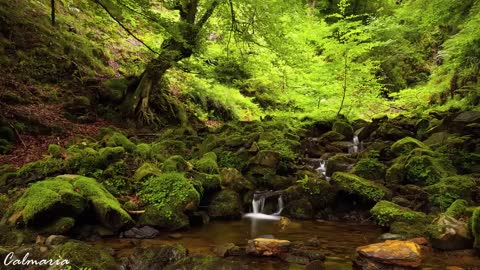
(175, 235)
(291, 258)
(228, 249)
(267, 247)
(156, 257)
(391, 236)
(54, 240)
(448, 233)
(422, 241)
(390, 252)
(225, 205)
(231, 178)
(43, 249)
(145, 232)
(40, 240)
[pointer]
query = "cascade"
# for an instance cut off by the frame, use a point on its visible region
(258, 205)
(356, 147)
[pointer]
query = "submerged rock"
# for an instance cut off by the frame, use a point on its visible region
(447, 233)
(144, 232)
(225, 204)
(391, 254)
(267, 247)
(155, 257)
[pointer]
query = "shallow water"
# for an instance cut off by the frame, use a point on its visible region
(338, 239)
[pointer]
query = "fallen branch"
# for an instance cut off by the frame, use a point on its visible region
(136, 212)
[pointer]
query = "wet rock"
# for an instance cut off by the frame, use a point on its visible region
(365, 189)
(343, 128)
(291, 258)
(228, 249)
(448, 233)
(267, 247)
(339, 163)
(225, 205)
(144, 232)
(155, 257)
(391, 236)
(422, 241)
(391, 254)
(231, 178)
(54, 240)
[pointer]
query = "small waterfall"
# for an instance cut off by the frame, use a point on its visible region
(258, 205)
(280, 206)
(322, 169)
(356, 147)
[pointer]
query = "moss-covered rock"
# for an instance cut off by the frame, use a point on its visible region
(113, 90)
(449, 189)
(168, 196)
(448, 233)
(457, 209)
(209, 182)
(84, 256)
(118, 139)
(369, 168)
(208, 163)
(144, 171)
(225, 205)
(88, 160)
(61, 225)
(395, 174)
(176, 164)
(299, 209)
(79, 109)
(343, 128)
(386, 213)
(166, 148)
(40, 169)
(143, 150)
(339, 163)
(156, 257)
(265, 158)
(45, 203)
(361, 187)
(231, 178)
(426, 170)
(475, 227)
(331, 136)
(410, 229)
(406, 145)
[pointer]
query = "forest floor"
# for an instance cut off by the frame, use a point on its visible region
(32, 147)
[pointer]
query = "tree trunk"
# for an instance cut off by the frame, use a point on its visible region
(137, 102)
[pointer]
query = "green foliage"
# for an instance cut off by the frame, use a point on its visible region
(386, 213)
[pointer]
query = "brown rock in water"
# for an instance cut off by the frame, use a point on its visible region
(422, 241)
(315, 265)
(267, 247)
(391, 254)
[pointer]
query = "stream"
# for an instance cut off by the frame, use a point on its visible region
(338, 239)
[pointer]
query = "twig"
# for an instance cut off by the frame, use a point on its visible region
(136, 212)
(17, 135)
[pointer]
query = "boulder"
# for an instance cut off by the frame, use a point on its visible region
(145, 232)
(84, 256)
(365, 189)
(386, 213)
(228, 249)
(54, 240)
(449, 189)
(267, 247)
(299, 209)
(155, 257)
(343, 128)
(231, 178)
(406, 145)
(369, 168)
(339, 163)
(448, 233)
(391, 254)
(144, 171)
(225, 205)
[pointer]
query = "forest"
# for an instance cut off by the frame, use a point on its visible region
(240, 134)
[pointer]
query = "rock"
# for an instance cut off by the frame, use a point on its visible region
(454, 268)
(290, 258)
(43, 249)
(391, 236)
(231, 178)
(176, 236)
(144, 171)
(208, 163)
(40, 240)
(386, 213)
(84, 255)
(299, 209)
(475, 227)
(449, 189)
(406, 145)
(225, 204)
(315, 265)
(389, 253)
(267, 247)
(54, 240)
(79, 109)
(145, 232)
(339, 163)
(367, 190)
(369, 168)
(228, 249)
(343, 128)
(447, 233)
(422, 241)
(156, 257)
(423, 169)
(269, 159)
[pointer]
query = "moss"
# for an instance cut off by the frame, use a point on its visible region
(475, 227)
(78, 109)
(343, 128)
(232, 179)
(109, 155)
(44, 200)
(108, 210)
(364, 188)
(113, 90)
(87, 161)
(457, 209)
(395, 174)
(449, 189)
(426, 170)
(40, 169)
(409, 229)
(157, 257)
(118, 139)
(143, 151)
(60, 226)
(144, 171)
(225, 204)
(339, 163)
(208, 163)
(176, 164)
(166, 148)
(55, 151)
(331, 136)
(299, 209)
(386, 213)
(369, 168)
(84, 256)
(406, 145)
(168, 196)
(209, 182)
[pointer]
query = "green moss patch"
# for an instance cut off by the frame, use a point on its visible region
(386, 213)
(449, 189)
(406, 145)
(364, 188)
(208, 163)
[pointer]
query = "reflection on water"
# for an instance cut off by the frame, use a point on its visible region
(338, 239)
